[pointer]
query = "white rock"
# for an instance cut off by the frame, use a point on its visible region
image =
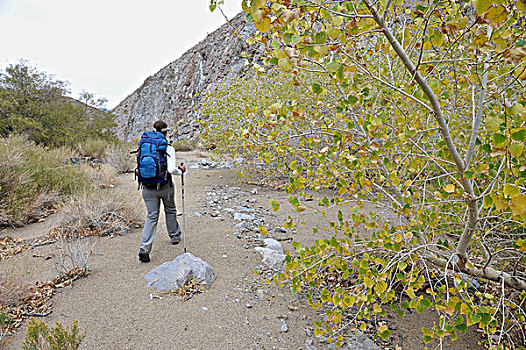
(243, 216)
(273, 244)
(175, 274)
(272, 258)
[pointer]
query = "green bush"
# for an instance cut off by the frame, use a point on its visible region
(40, 337)
(33, 177)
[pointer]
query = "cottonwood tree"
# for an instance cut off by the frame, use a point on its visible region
(418, 107)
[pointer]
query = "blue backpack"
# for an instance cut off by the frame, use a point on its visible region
(152, 161)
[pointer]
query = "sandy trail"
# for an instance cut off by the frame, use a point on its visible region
(113, 303)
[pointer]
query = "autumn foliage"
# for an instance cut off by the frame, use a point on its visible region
(417, 107)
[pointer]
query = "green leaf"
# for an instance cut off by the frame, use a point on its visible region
(316, 88)
(460, 325)
(320, 38)
(332, 67)
(519, 135)
(499, 140)
(275, 205)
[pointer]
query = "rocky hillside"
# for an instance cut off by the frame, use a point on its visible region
(172, 94)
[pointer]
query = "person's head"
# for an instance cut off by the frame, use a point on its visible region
(161, 126)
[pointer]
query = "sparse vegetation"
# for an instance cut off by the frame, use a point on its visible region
(93, 149)
(41, 337)
(119, 157)
(5, 324)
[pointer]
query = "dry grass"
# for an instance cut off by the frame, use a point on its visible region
(94, 149)
(184, 145)
(31, 180)
(119, 157)
(97, 213)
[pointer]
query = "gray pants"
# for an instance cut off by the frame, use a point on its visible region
(152, 200)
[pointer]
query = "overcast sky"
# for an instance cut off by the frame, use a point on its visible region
(107, 47)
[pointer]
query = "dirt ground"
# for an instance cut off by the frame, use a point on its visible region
(116, 309)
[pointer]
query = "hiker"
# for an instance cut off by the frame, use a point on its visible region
(155, 166)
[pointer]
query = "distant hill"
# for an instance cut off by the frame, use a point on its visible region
(172, 94)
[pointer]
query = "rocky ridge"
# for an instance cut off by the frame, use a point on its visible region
(173, 93)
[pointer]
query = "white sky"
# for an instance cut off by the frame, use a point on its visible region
(107, 47)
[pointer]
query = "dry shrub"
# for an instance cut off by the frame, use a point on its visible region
(97, 213)
(74, 253)
(94, 149)
(103, 175)
(184, 145)
(119, 157)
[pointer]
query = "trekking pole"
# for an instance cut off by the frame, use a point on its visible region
(184, 214)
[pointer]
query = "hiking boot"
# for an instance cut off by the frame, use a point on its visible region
(175, 240)
(144, 256)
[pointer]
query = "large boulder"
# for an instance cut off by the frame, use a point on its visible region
(175, 274)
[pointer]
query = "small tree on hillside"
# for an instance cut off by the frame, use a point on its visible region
(34, 103)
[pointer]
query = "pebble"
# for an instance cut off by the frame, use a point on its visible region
(199, 215)
(284, 327)
(204, 308)
(249, 306)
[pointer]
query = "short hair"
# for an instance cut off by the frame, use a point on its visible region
(160, 126)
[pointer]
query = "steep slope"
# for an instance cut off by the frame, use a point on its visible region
(172, 94)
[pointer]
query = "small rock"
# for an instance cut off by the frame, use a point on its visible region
(249, 306)
(284, 327)
(199, 215)
(260, 294)
(254, 191)
(271, 243)
(272, 258)
(194, 166)
(204, 308)
(242, 216)
(280, 230)
(243, 224)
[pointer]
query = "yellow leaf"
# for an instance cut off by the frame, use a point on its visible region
(516, 149)
(368, 282)
(511, 191)
(518, 205)
(449, 188)
(337, 20)
(264, 25)
(334, 33)
(498, 14)
(427, 45)
(256, 5)
(410, 292)
(482, 5)
(263, 230)
(285, 63)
